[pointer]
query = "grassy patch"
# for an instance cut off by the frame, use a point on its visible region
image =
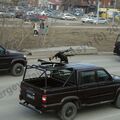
(22, 37)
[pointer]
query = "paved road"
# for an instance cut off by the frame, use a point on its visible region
(68, 26)
(59, 23)
(9, 91)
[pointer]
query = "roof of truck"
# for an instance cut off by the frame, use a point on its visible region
(74, 66)
(82, 66)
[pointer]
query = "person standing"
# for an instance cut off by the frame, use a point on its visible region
(42, 27)
(36, 29)
(46, 29)
(63, 58)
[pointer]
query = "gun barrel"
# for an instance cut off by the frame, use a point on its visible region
(70, 49)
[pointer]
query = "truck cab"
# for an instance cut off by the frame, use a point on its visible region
(12, 61)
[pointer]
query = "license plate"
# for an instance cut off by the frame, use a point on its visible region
(30, 96)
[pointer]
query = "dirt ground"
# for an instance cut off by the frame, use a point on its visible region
(102, 39)
(22, 37)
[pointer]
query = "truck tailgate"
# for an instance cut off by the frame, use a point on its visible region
(31, 94)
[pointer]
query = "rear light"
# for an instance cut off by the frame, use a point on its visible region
(44, 98)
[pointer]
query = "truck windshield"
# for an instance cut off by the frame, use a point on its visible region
(61, 74)
(32, 73)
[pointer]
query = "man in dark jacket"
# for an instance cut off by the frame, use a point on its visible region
(63, 58)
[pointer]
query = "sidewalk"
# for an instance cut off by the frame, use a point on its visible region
(47, 52)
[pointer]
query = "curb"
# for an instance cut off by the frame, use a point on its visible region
(47, 52)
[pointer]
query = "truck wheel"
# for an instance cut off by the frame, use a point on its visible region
(17, 69)
(68, 111)
(117, 102)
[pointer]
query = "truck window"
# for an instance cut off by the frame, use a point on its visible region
(102, 75)
(87, 77)
(63, 75)
(33, 73)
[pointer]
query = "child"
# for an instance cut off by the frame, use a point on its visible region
(35, 29)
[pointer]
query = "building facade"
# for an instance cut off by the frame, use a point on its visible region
(104, 3)
(52, 4)
(87, 5)
(82, 3)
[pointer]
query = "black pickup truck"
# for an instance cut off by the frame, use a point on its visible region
(65, 88)
(12, 61)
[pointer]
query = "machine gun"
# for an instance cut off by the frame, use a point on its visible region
(49, 63)
(61, 55)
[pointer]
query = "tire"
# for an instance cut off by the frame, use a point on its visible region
(17, 69)
(117, 102)
(68, 111)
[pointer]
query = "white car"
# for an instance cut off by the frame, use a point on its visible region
(87, 19)
(68, 17)
(99, 21)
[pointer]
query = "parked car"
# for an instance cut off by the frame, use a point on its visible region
(117, 17)
(34, 17)
(86, 19)
(19, 14)
(78, 12)
(12, 61)
(65, 88)
(11, 14)
(67, 16)
(8, 14)
(99, 21)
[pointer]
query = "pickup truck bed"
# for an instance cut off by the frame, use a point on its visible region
(40, 83)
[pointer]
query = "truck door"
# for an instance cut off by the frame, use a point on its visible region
(87, 90)
(106, 87)
(4, 59)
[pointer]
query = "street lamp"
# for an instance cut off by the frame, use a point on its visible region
(98, 7)
(114, 13)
